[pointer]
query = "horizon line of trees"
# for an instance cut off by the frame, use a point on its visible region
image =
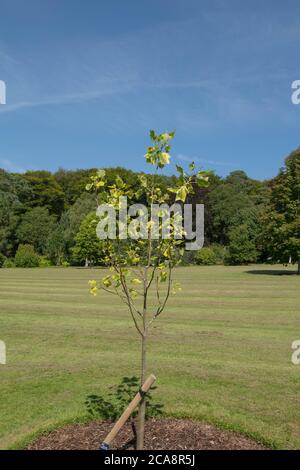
(246, 220)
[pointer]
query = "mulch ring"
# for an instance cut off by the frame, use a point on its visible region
(160, 434)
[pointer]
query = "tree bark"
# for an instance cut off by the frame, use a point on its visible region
(142, 406)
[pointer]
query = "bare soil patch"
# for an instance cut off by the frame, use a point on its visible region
(161, 434)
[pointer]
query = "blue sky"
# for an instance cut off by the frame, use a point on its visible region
(87, 80)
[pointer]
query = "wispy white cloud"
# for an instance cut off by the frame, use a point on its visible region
(217, 69)
(60, 99)
(199, 160)
(9, 165)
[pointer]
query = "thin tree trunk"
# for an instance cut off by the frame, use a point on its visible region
(142, 406)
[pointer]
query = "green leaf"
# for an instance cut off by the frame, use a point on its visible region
(180, 170)
(106, 281)
(166, 136)
(119, 182)
(181, 194)
(152, 134)
(203, 178)
(167, 252)
(133, 292)
(192, 166)
(172, 190)
(164, 158)
(143, 180)
(101, 173)
(150, 158)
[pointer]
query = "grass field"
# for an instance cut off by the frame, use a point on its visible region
(221, 351)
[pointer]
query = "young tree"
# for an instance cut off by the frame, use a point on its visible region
(35, 228)
(241, 248)
(281, 220)
(142, 263)
(88, 248)
(56, 245)
(206, 257)
(26, 257)
(74, 216)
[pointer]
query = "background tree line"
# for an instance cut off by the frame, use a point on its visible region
(48, 218)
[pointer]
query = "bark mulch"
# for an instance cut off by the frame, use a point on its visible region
(161, 434)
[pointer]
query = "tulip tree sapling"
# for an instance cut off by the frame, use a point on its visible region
(139, 264)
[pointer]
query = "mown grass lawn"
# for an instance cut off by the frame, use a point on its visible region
(221, 351)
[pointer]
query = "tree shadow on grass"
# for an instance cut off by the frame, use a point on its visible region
(273, 272)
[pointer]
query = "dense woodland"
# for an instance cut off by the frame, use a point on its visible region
(49, 219)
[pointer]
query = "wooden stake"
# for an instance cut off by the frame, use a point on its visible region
(129, 410)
